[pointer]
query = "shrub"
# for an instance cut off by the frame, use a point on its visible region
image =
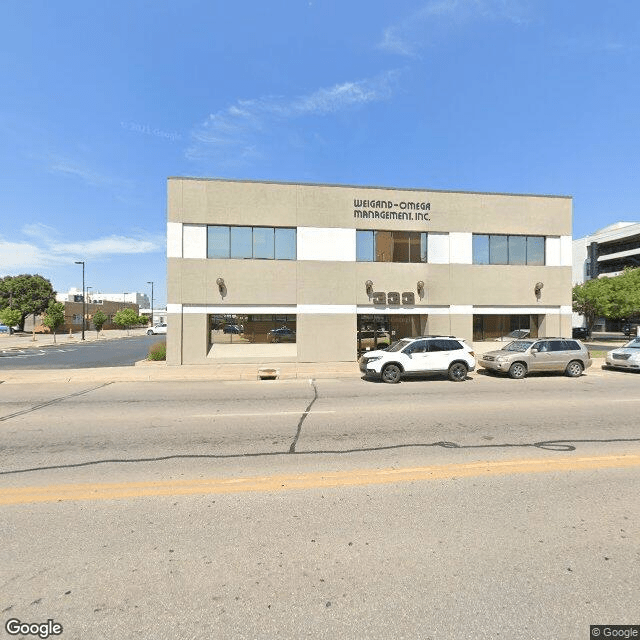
(158, 351)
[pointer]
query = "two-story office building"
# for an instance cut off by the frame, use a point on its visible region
(269, 272)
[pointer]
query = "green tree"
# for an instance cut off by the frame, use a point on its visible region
(591, 300)
(10, 317)
(126, 318)
(98, 320)
(54, 317)
(26, 293)
(614, 298)
(624, 295)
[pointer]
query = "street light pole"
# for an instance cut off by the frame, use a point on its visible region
(83, 296)
(151, 283)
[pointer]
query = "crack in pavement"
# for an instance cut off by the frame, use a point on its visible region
(50, 402)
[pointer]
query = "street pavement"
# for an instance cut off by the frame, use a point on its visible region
(493, 508)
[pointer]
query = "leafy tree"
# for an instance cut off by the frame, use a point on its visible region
(624, 294)
(27, 293)
(99, 318)
(591, 300)
(615, 298)
(125, 318)
(10, 317)
(54, 317)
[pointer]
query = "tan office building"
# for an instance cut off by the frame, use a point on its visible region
(267, 272)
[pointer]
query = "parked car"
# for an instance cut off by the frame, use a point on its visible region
(283, 334)
(548, 354)
(5, 329)
(233, 328)
(627, 357)
(157, 328)
(630, 329)
(417, 356)
(580, 332)
(369, 339)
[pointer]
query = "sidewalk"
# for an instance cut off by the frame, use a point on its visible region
(26, 340)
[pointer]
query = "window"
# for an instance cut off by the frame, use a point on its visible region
(258, 243)
(504, 249)
(252, 329)
(391, 246)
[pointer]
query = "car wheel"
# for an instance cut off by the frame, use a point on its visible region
(150, 332)
(458, 372)
(391, 373)
(518, 370)
(574, 369)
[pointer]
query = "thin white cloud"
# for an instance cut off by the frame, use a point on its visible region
(238, 131)
(410, 35)
(74, 169)
(47, 248)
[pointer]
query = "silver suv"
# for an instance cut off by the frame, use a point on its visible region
(548, 354)
(417, 356)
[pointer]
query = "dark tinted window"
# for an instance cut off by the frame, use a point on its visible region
(558, 345)
(572, 345)
(420, 346)
(444, 345)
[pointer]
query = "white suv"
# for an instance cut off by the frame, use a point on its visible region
(417, 356)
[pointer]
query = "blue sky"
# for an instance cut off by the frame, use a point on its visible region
(101, 101)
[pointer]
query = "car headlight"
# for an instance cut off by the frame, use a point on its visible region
(373, 359)
(501, 359)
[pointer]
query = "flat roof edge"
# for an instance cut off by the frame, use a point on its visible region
(362, 186)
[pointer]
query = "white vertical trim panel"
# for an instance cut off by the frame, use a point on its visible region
(174, 239)
(194, 241)
(566, 251)
(330, 244)
(438, 248)
(552, 256)
(461, 247)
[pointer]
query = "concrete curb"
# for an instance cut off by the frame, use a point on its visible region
(146, 371)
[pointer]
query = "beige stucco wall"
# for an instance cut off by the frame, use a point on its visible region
(307, 205)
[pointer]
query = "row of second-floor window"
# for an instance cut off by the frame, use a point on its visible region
(391, 246)
(505, 249)
(260, 243)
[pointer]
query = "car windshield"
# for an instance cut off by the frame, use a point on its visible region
(634, 344)
(518, 345)
(398, 346)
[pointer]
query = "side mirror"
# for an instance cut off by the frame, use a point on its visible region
(534, 350)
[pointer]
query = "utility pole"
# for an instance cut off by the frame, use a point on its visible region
(83, 296)
(151, 283)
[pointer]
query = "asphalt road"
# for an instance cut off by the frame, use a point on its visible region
(122, 352)
(491, 508)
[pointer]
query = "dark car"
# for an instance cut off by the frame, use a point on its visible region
(283, 334)
(582, 333)
(232, 328)
(629, 329)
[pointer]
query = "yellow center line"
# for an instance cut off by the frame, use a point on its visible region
(356, 477)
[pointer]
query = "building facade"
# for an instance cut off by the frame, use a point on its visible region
(605, 254)
(278, 272)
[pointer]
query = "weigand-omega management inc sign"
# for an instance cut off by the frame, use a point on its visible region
(389, 210)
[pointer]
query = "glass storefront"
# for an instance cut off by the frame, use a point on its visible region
(495, 327)
(379, 331)
(251, 329)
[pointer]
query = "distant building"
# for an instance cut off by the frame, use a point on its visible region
(97, 297)
(604, 254)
